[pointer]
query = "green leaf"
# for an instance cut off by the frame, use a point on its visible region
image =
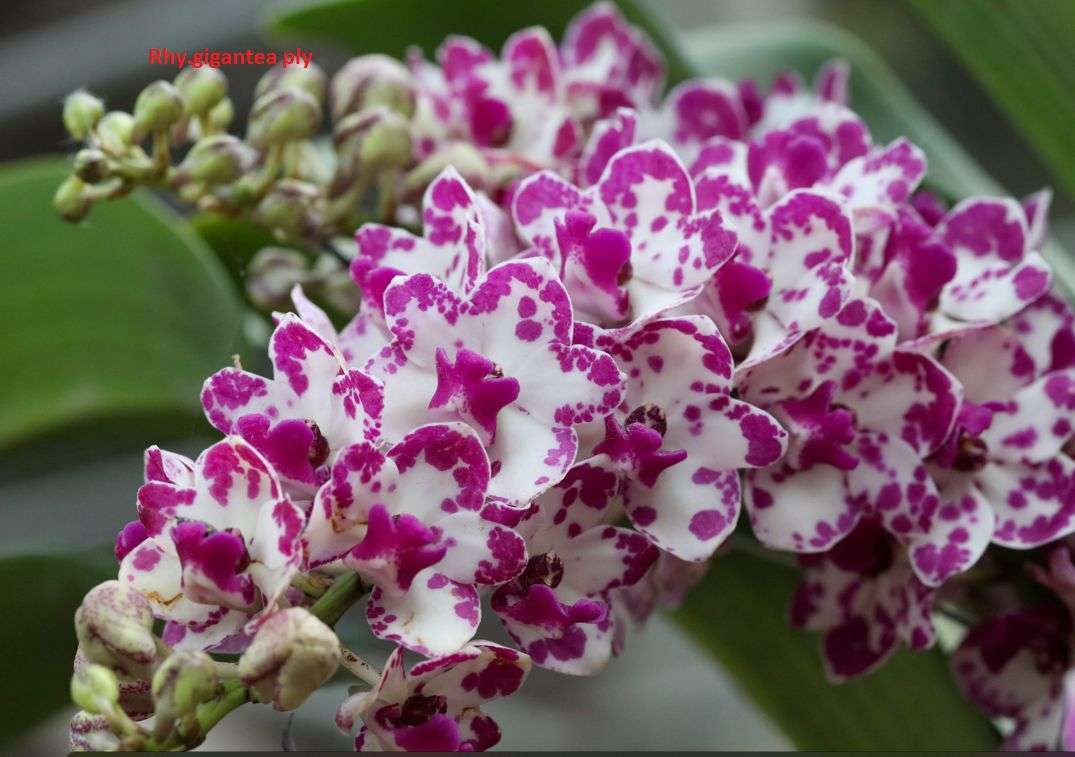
(1023, 52)
(234, 240)
(37, 636)
(112, 324)
(738, 614)
(391, 26)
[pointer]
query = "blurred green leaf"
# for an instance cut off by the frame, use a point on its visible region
(391, 26)
(738, 614)
(234, 240)
(1023, 52)
(112, 324)
(37, 635)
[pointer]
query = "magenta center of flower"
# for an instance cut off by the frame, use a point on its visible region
(490, 122)
(604, 255)
(636, 444)
(416, 709)
(474, 389)
(820, 429)
(396, 547)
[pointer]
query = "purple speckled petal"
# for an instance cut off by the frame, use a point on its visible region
(276, 548)
(1046, 332)
(479, 551)
(800, 510)
(601, 49)
(740, 211)
(808, 262)
(453, 247)
(959, 532)
(538, 203)
(863, 595)
(569, 634)
(435, 616)
(1034, 503)
(608, 136)
(699, 109)
(1012, 666)
(1036, 422)
(719, 156)
(605, 558)
(879, 180)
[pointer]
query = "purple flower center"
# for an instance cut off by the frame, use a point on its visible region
(397, 545)
(821, 428)
(636, 445)
(473, 388)
(416, 709)
(490, 122)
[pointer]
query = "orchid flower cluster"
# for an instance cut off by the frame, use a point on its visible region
(625, 318)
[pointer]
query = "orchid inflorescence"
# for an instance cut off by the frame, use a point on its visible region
(623, 316)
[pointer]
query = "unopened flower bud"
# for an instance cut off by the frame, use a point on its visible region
(95, 689)
(113, 625)
(310, 79)
(81, 112)
(134, 693)
(271, 275)
(201, 89)
(372, 140)
(291, 656)
(372, 80)
(283, 115)
(115, 132)
(182, 682)
(464, 156)
(70, 199)
(291, 209)
(91, 165)
(219, 159)
(222, 114)
(158, 107)
(92, 733)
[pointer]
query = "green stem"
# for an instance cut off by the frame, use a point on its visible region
(343, 593)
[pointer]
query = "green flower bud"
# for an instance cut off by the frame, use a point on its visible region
(81, 112)
(372, 140)
(271, 275)
(201, 89)
(113, 626)
(115, 132)
(466, 158)
(92, 733)
(157, 108)
(95, 689)
(291, 209)
(70, 199)
(311, 79)
(91, 165)
(182, 682)
(372, 80)
(219, 159)
(291, 656)
(222, 114)
(134, 693)
(283, 115)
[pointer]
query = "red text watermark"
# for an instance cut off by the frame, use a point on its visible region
(162, 56)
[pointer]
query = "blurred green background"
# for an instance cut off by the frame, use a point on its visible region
(111, 325)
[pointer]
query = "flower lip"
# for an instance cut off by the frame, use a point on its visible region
(638, 447)
(823, 428)
(473, 387)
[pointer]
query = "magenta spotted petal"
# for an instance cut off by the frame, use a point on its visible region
(314, 405)
(558, 608)
(682, 438)
(500, 360)
(808, 261)
(644, 199)
(866, 600)
(436, 706)
(1012, 666)
(997, 272)
(452, 248)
